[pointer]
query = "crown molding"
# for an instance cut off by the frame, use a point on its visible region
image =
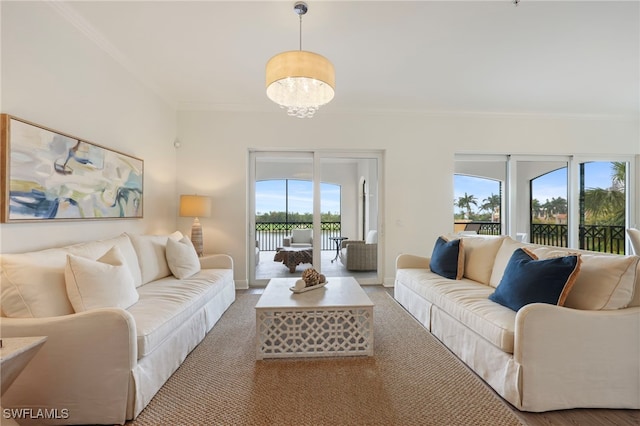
(331, 110)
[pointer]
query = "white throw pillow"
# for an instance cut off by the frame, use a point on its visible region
(182, 258)
(152, 257)
(103, 283)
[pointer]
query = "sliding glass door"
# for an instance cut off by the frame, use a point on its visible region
(306, 207)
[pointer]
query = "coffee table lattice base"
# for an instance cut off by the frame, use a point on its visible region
(327, 332)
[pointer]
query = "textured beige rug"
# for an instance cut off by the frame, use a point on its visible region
(411, 380)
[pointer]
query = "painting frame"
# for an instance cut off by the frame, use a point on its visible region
(53, 176)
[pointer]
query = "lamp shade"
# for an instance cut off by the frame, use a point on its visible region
(300, 81)
(195, 206)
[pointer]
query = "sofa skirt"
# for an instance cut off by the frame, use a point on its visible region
(496, 367)
(153, 370)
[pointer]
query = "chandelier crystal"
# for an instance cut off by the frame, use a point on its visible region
(300, 81)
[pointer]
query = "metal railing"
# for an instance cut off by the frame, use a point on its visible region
(601, 238)
(549, 234)
(483, 228)
(271, 234)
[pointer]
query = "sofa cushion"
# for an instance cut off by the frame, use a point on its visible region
(606, 281)
(479, 254)
(33, 284)
(182, 258)
(372, 237)
(102, 283)
(151, 252)
(467, 302)
(95, 249)
(528, 279)
(508, 246)
(447, 258)
(167, 303)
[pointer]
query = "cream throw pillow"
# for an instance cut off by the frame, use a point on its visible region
(103, 283)
(152, 256)
(479, 254)
(182, 258)
(606, 281)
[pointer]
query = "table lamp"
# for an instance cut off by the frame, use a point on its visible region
(195, 206)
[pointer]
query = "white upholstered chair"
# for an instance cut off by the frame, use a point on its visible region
(299, 238)
(634, 237)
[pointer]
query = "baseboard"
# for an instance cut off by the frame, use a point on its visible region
(389, 282)
(242, 284)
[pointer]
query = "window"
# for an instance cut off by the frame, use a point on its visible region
(284, 204)
(603, 206)
(565, 201)
(477, 204)
(549, 208)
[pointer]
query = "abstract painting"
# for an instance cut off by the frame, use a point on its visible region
(48, 175)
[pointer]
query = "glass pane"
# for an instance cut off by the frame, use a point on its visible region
(283, 215)
(477, 205)
(349, 214)
(603, 206)
(548, 201)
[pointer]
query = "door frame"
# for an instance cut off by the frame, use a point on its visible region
(317, 155)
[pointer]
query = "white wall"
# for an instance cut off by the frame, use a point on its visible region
(56, 77)
(419, 161)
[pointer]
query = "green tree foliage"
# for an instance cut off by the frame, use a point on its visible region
(606, 206)
(282, 217)
(465, 203)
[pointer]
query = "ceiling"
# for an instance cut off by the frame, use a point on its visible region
(577, 58)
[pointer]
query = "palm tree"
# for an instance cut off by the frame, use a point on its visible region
(465, 203)
(604, 205)
(619, 174)
(546, 209)
(536, 208)
(492, 204)
(607, 206)
(558, 205)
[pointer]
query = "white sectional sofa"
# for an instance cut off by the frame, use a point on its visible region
(542, 357)
(103, 365)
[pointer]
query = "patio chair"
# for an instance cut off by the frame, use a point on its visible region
(360, 255)
(634, 237)
(473, 227)
(299, 238)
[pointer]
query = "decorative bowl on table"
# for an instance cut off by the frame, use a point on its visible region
(311, 280)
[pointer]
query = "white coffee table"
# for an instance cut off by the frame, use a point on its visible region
(335, 320)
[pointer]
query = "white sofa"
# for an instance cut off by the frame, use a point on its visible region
(104, 365)
(542, 357)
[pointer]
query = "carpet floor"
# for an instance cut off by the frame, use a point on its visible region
(412, 379)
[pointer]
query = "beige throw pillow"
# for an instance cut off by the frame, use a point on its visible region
(152, 257)
(479, 255)
(103, 283)
(182, 258)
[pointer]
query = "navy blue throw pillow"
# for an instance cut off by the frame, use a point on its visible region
(447, 258)
(529, 280)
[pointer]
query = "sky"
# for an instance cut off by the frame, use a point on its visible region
(270, 197)
(270, 194)
(554, 184)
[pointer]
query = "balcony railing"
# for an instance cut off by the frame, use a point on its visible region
(601, 238)
(483, 228)
(270, 234)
